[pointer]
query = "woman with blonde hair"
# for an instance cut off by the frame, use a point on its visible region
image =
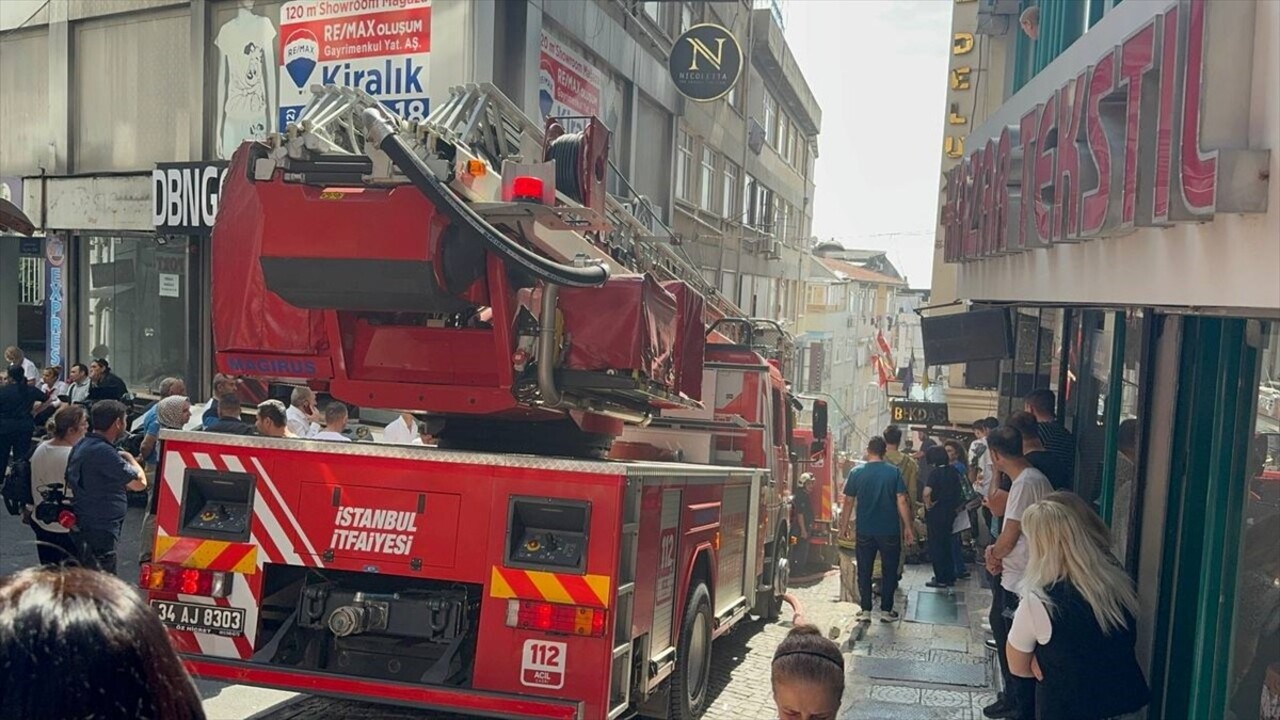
(1076, 626)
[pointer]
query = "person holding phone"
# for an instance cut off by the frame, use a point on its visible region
(304, 419)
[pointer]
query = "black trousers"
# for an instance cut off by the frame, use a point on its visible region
(97, 549)
(1019, 692)
(17, 442)
(54, 548)
(889, 547)
(940, 550)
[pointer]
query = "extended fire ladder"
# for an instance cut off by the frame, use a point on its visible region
(480, 124)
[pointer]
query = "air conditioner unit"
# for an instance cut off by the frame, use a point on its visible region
(849, 322)
(772, 249)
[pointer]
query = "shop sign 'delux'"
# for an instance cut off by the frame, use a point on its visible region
(1115, 148)
(705, 62)
(184, 197)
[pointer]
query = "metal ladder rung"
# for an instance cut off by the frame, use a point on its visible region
(626, 589)
(631, 528)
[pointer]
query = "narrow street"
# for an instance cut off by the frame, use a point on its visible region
(936, 670)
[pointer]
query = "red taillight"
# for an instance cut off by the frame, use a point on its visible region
(67, 519)
(188, 581)
(556, 618)
(527, 189)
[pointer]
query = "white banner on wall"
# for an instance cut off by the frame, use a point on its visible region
(379, 46)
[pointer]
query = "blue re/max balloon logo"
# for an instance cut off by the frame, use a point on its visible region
(273, 366)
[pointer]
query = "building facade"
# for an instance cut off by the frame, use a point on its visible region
(119, 117)
(848, 310)
(1110, 182)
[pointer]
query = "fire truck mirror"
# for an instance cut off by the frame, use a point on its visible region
(216, 505)
(548, 532)
(820, 421)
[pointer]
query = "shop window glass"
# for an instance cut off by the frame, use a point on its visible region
(1091, 374)
(1254, 689)
(137, 308)
(1126, 494)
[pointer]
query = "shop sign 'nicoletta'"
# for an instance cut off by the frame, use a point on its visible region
(705, 62)
(1115, 148)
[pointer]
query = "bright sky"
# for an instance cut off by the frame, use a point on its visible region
(879, 70)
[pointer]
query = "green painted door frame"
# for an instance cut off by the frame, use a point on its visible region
(1217, 392)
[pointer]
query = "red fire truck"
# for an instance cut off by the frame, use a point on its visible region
(821, 492)
(609, 492)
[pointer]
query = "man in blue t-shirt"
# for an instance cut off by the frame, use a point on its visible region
(879, 495)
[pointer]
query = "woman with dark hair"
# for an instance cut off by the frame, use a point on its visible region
(49, 470)
(963, 521)
(941, 502)
(105, 385)
(807, 676)
(77, 644)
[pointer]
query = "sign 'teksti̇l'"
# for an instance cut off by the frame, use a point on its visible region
(379, 46)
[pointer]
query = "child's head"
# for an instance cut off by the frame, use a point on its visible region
(808, 676)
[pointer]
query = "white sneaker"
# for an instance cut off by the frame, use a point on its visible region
(888, 616)
(863, 616)
(986, 626)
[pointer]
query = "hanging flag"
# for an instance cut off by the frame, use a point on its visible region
(884, 348)
(882, 368)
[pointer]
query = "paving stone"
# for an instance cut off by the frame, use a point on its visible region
(874, 710)
(894, 650)
(944, 656)
(896, 694)
(921, 671)
(952, 632)
(944, 698)
(981, 699)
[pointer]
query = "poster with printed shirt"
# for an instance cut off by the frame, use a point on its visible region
(246, 79)
(379, 46)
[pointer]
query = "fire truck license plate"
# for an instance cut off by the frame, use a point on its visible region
(542, 664)
(208, 619)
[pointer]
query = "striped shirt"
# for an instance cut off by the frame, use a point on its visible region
(1061, 444)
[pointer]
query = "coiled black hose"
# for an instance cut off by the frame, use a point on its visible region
(457, 211)
(566, 150)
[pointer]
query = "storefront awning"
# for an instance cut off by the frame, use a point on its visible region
(12, 219)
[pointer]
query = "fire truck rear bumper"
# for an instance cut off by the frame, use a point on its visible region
(475, 702)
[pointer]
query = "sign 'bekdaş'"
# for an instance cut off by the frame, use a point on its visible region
(1113, 149)
(379, 46)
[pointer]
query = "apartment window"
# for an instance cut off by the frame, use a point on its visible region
(732, 97)
(781, 230)
(785, 137)
(730, 190)
(708, 195)
(748, 211)
(764, 208)
(653, 9)
(684, 167)
(686, 17)
(770, 120)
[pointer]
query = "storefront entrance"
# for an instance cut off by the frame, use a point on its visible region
(1217, 624)
(140, 305)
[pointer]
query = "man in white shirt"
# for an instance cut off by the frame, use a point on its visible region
(304, 421)
(402, 431)
(335, 421)
(1007, 558)
(981, 471)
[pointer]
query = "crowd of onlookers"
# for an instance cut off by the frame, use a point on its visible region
(74, 491)
(1063, 612)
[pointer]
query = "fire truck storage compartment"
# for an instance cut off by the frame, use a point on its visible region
(628, 325)
(384, 626)
(548, 533)
(217, 505)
